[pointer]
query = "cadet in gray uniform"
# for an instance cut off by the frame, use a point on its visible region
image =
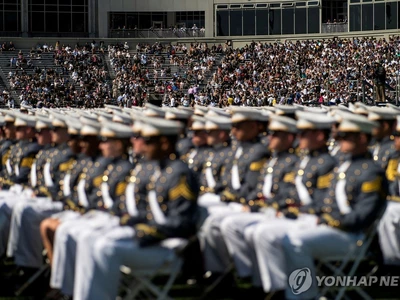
(383, 146)
(354, 200)
(245, 160)
(389, 225)
(170, 213)
(239, 176)
(184, 144)
(218, 129)
(199, 153)
(8, 140)
(22, 153)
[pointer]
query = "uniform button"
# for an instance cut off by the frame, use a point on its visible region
(121, 206)
(289, 201)
(309, 184)
(105, 178)
(98, 194)
(164, 207)
(342, 176)
(208, 164)
(99, 203)
(270, 170)
(149, 216)
(300, 172)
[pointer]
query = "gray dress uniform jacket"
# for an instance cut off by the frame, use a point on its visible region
(4, 153)
(314, 182)
(23, 161)
(214, 162)
(170, 203)
(59, 155)
(382, 150)
(78, 200)
(249, 164)
(356, 195)
(272, 179)
(106, 184)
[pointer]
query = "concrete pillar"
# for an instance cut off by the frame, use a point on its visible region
(24, 18)
(92, 18)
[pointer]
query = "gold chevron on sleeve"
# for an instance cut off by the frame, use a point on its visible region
(391, 170)
(182, 189)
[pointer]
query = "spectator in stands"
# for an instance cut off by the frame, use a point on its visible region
(380, 81)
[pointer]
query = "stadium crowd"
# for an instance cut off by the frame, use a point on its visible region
(304, 72)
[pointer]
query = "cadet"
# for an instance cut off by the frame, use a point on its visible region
(8, 139)
(239, 176)
(383, 145)
(245, 160)
(388, 227)
(355, 198)
(22, 153)
(185, 141)
(171, 210)
(198, 154)
(218, 129)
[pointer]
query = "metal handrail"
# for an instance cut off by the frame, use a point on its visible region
(156, 33)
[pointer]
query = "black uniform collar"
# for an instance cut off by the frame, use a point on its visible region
(221, 145)
(62, 146)
(249, 142)
(281, 154)
(318, 152)
(352, 157)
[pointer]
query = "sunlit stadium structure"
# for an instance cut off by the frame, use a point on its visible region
(188, 18)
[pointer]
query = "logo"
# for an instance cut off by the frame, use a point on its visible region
(300, 281)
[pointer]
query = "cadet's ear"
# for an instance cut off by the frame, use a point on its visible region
(165, 143)
(365, 139)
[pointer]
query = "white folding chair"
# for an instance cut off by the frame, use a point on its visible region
(352, 260)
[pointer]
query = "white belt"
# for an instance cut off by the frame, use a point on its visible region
(340, 190)
(235, 170)
(302, 190)
(81, 193)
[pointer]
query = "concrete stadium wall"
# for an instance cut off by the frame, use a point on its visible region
(106, 6)
(26, 43)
